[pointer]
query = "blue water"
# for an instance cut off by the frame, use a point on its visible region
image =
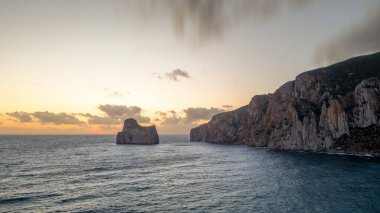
(92, 173)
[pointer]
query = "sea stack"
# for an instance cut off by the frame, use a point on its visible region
(133, 133)
(335, 108)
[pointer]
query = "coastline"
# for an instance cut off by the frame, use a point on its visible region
(330, 152)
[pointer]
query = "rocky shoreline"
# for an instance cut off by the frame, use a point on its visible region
(330, 109)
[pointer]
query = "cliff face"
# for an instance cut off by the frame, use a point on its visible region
(133, 133)
(327, 109)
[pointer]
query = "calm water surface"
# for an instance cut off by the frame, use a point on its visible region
(92, 173)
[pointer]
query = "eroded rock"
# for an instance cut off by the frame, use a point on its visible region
(133, 133)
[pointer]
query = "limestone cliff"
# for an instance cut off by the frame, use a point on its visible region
(327, 109)
(133, 133)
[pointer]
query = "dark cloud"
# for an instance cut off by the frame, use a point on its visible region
(209, 19)
(46, 117)
(21, 116)
(122, 112)
(172, 120)
(115, 115)
(160, 113)
(169, 118)
(173, 75)
(199, 113)
(363, 37)
(57, 118)
(101, 120)
(167, 121)
(191, 115)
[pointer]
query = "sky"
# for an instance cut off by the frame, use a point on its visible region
(83, 66)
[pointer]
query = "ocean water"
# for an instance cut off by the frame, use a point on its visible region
(93, 174)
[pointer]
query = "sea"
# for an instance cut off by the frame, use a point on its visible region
(90, 173)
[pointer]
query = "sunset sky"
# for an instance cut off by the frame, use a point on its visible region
(83, 66)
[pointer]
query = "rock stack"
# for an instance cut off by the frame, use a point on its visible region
(133, 133)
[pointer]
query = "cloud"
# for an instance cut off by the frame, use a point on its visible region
(114, 115)
(170, 118)
(122, 112)
(103, 120)
(157, 75)
(116, 94)
(100, 120)
(168, 121)
(209, 19)
(199, 113)
(189, 116)
(182, 121)
(363, 37)
(173, 75)
(46, 117)
(21, 116)
(57, 118)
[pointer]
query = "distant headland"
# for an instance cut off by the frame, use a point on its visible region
(334, 109)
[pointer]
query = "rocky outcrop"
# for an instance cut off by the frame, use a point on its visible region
(328, 109)
(133, 133)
